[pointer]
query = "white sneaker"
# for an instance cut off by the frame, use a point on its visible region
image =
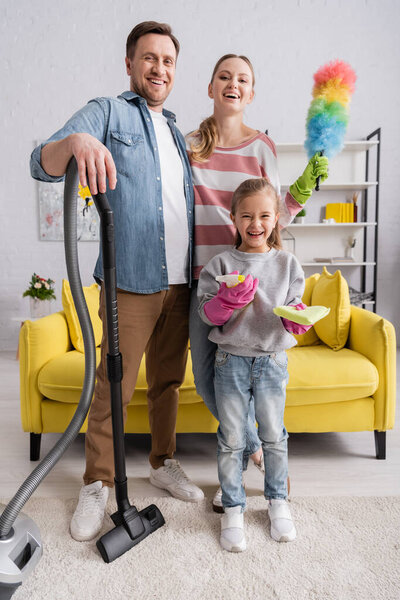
(89, 514)
(232, 533)
(282, 527)
(217, 501)
(171, 477)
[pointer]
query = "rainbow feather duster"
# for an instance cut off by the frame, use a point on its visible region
(328, 116)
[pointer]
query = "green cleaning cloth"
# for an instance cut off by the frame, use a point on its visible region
(308, 316)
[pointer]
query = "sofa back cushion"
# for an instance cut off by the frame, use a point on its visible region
(310, 338)
(331, 290)
(92, 297)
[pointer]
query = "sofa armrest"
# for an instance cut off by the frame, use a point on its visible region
(374, 337)
(39, 342)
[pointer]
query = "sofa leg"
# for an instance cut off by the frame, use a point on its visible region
(35, 445)
(380, 444)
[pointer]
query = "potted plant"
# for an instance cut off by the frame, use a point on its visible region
(40, 292)
(300, 217)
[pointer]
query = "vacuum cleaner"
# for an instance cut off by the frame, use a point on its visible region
(131, 526)
(20, 542)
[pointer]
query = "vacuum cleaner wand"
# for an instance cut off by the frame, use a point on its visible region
(131, 526)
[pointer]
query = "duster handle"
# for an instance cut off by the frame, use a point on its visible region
(318, 178)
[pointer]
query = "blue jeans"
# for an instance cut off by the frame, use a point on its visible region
(203, 358)
(237, 378)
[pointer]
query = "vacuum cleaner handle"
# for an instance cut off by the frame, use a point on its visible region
(110, 279)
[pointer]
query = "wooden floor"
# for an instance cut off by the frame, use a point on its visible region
(330, 464)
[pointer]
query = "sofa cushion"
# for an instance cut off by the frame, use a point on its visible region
(331, 290)
(309, 338)
(318, 375)
(92, 296)
(61, 379)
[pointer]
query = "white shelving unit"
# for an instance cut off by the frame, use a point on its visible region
(336, 263)
(350, 146)
(356, 186)
(349, 173)
(328, 225)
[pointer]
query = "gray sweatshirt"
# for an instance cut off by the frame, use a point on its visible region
(254, 330)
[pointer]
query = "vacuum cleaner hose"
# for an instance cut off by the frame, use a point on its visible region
(26, 490)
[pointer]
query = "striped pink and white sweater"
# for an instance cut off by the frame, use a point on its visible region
(214, 183)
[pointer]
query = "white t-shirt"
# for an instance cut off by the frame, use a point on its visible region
(174, 202)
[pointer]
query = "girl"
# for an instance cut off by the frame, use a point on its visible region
(251, 360)
(223, 153)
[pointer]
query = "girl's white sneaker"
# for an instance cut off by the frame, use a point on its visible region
(282, 527)
(232, 533)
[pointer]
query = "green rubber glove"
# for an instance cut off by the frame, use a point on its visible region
(302, 188)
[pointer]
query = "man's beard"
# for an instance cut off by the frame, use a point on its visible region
(142, 91)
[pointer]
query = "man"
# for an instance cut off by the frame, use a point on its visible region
(133, 142)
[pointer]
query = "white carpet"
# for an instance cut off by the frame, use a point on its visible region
(347, 549)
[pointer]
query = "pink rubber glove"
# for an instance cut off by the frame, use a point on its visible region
(293, 327)
(220, 308)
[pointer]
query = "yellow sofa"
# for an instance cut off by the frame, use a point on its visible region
(342, 374)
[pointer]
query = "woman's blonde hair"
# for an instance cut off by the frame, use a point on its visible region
(249, 187)
(206, 136)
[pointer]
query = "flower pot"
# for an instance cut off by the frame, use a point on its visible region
(300, 220)
(39, 308)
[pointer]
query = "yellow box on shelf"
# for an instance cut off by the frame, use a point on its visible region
(333, 210)
(348, 212)
(342, 212)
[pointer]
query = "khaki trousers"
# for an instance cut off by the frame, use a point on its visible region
(156, 324)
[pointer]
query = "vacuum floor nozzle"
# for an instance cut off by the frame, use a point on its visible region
(129, 531)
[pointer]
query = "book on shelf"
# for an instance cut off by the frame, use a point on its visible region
(342, 212)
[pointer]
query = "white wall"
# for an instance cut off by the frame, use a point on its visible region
(57, 54)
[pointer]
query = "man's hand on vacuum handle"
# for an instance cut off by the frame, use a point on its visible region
(95, 163)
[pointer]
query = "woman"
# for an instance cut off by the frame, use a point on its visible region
(223, 152)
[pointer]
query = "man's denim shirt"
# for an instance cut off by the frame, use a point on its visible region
(125, 127)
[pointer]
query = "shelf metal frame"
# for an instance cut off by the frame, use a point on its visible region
(366, 210)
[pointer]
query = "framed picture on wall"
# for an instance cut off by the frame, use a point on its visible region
(51, 213)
